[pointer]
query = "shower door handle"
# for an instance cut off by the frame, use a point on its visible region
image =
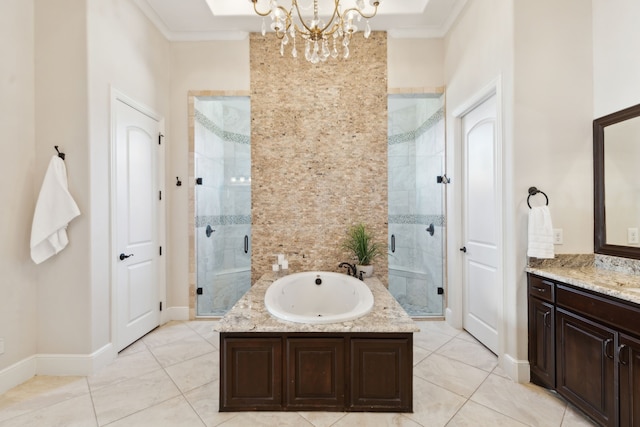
(393, 243)
(246, 244)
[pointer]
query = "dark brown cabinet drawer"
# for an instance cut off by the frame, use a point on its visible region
(613, 312)
(541, 288)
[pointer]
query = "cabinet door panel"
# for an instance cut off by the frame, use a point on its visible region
(542, 357)
(629, 362)
(252, 374)
(585, 365)
(315, 373)
(381, 374)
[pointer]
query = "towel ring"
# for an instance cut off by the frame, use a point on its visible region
(532, 192)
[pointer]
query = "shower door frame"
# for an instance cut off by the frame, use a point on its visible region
(430, 92)
(193, 267)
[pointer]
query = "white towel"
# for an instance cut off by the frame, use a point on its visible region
(54, 210)
(540, 233)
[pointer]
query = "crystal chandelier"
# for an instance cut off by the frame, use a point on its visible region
(320, 39)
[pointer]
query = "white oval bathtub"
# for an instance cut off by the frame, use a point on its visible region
(337, 298)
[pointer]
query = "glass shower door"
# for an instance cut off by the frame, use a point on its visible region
(222, 202)
(416, 203)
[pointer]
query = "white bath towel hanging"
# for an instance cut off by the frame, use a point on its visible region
(540, 233)
(54, 210)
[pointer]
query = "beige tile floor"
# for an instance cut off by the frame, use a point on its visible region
(170, 378)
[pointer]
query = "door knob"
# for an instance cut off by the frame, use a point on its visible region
(463, 249)
(123, 256)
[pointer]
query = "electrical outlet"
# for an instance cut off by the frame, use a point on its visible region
(1, 345)
(557, 236)
(632, 236)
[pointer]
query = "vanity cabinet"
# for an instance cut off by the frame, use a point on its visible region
(542, 358)
(586, 366)
(629, 359)
(321, 371)
(596, 354)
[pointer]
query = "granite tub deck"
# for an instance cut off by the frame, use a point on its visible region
(270, 364)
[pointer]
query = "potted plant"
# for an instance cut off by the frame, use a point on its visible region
(360, 242)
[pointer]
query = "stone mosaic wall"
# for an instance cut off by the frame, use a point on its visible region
(319, 153)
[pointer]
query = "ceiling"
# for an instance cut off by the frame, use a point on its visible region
(193, 20)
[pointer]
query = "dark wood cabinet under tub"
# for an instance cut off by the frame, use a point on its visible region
(317, 371)
(586, 346)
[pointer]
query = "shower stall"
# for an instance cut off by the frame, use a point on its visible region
(416, 150)
(222, 168)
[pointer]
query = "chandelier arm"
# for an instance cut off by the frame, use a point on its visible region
(255, 9)
(309, 30)
(359, 12)
(333, 17)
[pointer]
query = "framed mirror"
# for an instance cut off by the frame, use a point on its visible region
(616, 163)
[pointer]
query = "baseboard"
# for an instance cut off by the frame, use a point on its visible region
(176, 313)
(517, 370)
(75, 364)
(55, 365)
(17, 373)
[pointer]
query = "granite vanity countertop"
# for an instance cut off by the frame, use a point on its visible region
(249, 314)
(624, 286)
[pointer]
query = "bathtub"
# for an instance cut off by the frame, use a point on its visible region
(318, 297)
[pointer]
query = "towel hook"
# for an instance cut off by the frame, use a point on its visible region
(61, 155)
(532, 192)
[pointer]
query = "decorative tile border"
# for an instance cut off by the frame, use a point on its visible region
(424, 127)
(436, 220)
(204, 220)
(225, 135)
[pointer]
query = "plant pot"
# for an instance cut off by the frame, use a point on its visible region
(367, 270)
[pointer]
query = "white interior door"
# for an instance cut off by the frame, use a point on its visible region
(137, 208)
(482, 281)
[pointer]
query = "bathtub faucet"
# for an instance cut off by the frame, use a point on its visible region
(351, 268)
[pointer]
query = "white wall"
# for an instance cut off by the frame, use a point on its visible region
(18, 288)
(479, 54)
(542, 53)
(553, 151)
(128, 54)
(415, 63)
(616, 64)
(63, 297)
(219, 66)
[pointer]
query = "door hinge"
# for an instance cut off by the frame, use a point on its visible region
(160, 192)
(160, 250)
(160, 136)
(198, 181)
(199, 291)
(443, 179)
(160, 305)
(440, 291)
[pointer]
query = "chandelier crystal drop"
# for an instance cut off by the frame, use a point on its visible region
(288, 24)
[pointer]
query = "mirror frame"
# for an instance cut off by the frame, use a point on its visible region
(600, 223)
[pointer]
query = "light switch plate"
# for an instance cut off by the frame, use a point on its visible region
(1, 345)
